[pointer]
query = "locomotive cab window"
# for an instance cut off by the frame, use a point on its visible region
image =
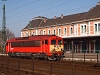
(59, 42)
(53, 42)
(46, 41)
(42, 42)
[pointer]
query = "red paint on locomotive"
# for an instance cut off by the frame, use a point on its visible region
(39, 44)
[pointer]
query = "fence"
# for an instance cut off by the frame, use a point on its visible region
(19, 66)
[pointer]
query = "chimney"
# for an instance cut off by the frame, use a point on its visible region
(62, 16)
(45, 19)
(54, 17)
(98, 3)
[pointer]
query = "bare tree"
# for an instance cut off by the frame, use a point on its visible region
(9, 34)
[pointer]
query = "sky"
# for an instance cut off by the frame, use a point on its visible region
(20, 12)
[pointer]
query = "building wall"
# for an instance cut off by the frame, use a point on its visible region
(82, 29)
(76, 29)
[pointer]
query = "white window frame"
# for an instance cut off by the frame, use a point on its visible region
(41, 32)
(75, 29)
(33, 33)
(22, 34)
(65, 33)
(27, 34)
(59, 33)
(84, 32)
(53, 31)
(48, 32)
(96, 32)
(44, 31)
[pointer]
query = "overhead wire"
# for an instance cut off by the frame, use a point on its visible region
(52, 13)
(80, 8)
(38, 7)
(21, 6)
(18, 7)
(46, 8)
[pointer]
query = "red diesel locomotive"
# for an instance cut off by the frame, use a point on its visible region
(39, 46)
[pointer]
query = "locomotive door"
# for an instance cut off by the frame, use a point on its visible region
(44, 46)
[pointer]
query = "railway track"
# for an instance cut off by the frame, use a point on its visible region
(19, 66)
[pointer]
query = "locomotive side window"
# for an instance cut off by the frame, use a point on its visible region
(16, 44)
(53, 42)
(37, 43)
(31, 44)
(59, 42)
(26, 44)
(46, 41)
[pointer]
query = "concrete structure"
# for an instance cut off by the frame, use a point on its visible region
(81, 32)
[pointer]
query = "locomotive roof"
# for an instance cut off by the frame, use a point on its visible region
(36, 37)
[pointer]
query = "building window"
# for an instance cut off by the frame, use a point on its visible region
(27, 34)
(97, 27)
(33, 34)
(71, 30)
(54, 32)
(65, 31)
(22, 34)
(44, 32)
(41, 32)
(83, 28)
(48, 32)
(59, 31)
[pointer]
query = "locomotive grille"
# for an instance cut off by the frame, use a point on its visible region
(56, 48)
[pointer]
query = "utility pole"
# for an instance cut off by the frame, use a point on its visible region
(3, 29)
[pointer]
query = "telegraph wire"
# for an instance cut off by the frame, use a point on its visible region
(53, 13)
(39, 7)
(22, 21)
(47, 8)
(22, 6)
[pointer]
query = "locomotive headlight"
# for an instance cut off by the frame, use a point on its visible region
(53, 50)
(54, 46)
(61, 49)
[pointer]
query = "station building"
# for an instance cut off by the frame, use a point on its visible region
(81, 31)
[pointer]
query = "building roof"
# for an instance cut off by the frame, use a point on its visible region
(91, 14)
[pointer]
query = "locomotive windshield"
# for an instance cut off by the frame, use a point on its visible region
(59, 42)
(53, 42)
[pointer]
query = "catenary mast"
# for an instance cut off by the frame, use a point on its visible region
(3, 29)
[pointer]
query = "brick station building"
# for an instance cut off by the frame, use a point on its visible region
(81, 31)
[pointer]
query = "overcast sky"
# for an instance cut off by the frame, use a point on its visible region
(20, 12)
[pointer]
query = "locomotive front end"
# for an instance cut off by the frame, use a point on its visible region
(57, 49)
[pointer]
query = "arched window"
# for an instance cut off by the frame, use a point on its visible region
(40, 32)
(71, 30)
(59, 31)
(54, 32)
(44, 32)
(65, 31)
(48, 32)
